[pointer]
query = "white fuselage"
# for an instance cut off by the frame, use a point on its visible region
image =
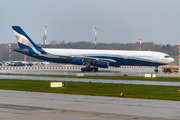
(148, 56)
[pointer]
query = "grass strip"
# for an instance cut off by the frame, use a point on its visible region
(169, 79)
(96, 89)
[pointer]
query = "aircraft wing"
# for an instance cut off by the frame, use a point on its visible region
(91, 59)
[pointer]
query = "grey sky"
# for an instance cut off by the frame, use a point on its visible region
(118, 21)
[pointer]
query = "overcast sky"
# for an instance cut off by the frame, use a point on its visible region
(118, 21)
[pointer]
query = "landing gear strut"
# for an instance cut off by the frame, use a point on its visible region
(156, 69)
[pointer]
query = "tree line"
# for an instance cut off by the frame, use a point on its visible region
(145, 46)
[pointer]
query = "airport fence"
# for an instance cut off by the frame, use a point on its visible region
(47, 68)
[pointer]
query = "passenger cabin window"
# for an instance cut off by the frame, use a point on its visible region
(166, 56)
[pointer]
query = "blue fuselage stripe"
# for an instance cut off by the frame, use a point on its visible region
(120, 61)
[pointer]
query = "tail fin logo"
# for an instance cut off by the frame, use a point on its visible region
(24, 41)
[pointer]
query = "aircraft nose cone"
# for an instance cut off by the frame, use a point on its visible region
(171, 60)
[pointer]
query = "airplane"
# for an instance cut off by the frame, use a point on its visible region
(91, 59)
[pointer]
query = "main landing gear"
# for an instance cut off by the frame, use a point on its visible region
(89, 69)
(156, 69)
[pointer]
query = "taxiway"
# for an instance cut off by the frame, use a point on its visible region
(136, 82)
(102, 72)
(20, 105)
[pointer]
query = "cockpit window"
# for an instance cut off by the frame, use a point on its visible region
(166, 56)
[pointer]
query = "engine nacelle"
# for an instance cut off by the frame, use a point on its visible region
(77, 61)
(102, 64)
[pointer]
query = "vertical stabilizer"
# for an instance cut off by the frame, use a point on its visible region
(23, 39)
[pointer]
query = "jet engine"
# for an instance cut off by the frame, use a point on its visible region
(102, 64)
(77, 61)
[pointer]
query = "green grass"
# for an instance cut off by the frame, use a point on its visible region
(96, 89)
(171, 79)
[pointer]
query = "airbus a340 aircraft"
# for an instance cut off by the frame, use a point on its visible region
(91, 59)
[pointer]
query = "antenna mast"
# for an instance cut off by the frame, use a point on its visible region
(140, 42)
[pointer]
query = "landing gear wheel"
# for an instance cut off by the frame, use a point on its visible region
(89, 69)
(95, 69)
(83, 69)
(156, 70)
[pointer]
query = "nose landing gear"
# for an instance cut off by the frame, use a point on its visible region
(156, 69)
